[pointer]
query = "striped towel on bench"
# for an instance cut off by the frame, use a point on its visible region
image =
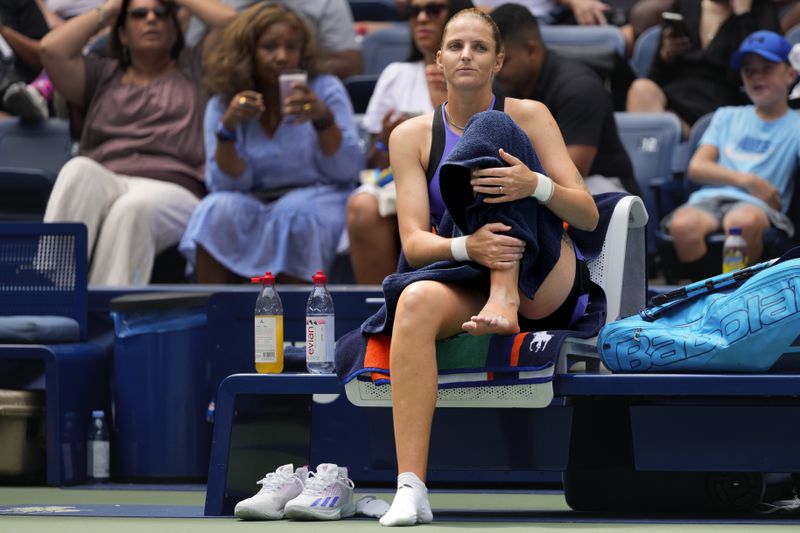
(468, 361)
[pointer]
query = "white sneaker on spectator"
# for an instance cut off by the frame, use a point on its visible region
(328, 495)
(24, 101)
(277, 488)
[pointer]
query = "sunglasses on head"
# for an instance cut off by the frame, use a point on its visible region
(431, 10)
(140, 13)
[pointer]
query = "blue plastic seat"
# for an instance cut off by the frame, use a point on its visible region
(43, 272)
(360, 88)
(591, 37)
(650, 140)
(644, 51)
(375, 10)
(31, 155)
(385, 46)
(793, 34)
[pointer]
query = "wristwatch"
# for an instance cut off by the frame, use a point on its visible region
(224, 134)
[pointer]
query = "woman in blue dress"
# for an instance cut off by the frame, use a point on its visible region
(279, 172)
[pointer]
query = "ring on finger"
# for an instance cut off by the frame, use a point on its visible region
(500, 189)
(306, 107)
(242, 100)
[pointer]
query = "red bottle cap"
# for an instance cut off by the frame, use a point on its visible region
(267, 278)
(319, 277)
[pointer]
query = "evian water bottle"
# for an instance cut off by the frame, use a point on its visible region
(319, 327)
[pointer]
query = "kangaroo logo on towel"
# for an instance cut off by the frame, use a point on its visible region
(540, 339)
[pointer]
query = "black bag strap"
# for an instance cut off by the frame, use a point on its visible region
(439, 136)
(438, 139)
(687, 293)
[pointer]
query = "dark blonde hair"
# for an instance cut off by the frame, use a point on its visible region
(498, 43)
(230, 67)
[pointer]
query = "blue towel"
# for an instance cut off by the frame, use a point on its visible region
(531, 222)
(589, 242)
(350, 349)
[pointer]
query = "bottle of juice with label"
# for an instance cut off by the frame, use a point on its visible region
(734, 251)
(268, 327)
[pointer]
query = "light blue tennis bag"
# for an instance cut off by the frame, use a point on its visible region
(746, 321)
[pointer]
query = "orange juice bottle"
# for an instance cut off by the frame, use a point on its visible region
(268, 327)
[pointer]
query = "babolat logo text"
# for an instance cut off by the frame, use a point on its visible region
(727, 320)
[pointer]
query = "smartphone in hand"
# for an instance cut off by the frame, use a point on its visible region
(674, 22)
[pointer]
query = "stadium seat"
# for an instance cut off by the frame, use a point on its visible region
(31, 155)
(601, 48)
(644, 51)
(360, 89)
(375, 11)
(793, 34)
(590, 37)
(385, 46)
(650, 140)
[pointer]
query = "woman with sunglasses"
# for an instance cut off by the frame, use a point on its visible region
(279, 171)
(404, 89)
(428, 308)
(139, 175)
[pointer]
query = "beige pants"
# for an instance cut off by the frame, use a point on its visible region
(129, 219)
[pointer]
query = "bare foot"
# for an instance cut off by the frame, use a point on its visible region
(493, 319)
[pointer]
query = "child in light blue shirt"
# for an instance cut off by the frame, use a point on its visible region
(747, 158)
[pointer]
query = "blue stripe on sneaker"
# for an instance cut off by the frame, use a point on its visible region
(315, 502)
(325, 502)
(333, 501)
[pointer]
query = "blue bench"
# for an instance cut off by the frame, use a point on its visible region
(622, 442)
(43, 272)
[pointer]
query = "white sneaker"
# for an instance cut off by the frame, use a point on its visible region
(277, 488)
(328, 495)
(24, 101)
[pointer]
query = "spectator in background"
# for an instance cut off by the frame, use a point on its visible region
(140, 173)
(647, 13)
(332, 23)
(279, 172)
(619, 13)
(583, 12)
(691, 74)
(747, 157)
(22, 25)
(544, 10)
(404, 89)
(572, 92)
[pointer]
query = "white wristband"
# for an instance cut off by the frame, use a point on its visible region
(458, 247)
(544, 188)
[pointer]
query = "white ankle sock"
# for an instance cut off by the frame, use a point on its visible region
(410, 505)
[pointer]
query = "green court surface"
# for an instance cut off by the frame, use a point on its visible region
(76, 510)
